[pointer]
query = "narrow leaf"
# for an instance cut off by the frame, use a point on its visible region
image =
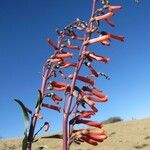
(25, 113)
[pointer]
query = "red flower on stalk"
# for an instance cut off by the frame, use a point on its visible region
(90, 123)
(51, 107)
(88, 64)
(93, 56)
(105, 16)
(98, 39)
(94, 92)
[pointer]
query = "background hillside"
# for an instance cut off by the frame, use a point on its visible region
(125, 135)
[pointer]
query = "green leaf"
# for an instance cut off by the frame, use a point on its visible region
(25, 113)
(57, 136)
(39, 100)
(24, 142)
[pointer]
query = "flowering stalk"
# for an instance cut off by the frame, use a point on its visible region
(74, 95)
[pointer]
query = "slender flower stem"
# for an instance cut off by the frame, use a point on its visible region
(34, 119)
(66, 114)
(37, 109)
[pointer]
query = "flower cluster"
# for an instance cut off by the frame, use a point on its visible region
(64, 83)
(87, 94)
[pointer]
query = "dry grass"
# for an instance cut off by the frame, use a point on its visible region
(130, 135)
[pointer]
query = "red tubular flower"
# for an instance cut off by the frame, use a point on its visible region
(38, 116)
(52, 43)
(51, 107)
(96, 137)
(94, 108)
(98, 39)
(97, 99)
(54, 60)
(58, 84)
(85, 114)
(65, 64)
(94, 92)
(95, 57)
(120, 38)
(72, 47)
(106, 16)
(90, 103)
(46, 126)
(86, 80)
(91, 69)
(87, 111)
(55, 97)
(57, 88)
(111, 8)
(64, 55)
(89, 141)
(90, 123)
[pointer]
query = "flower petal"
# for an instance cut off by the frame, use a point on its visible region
(105, 16)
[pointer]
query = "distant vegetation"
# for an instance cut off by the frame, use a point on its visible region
(112, 120)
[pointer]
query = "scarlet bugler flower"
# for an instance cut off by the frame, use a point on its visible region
(64, 55)
(65, 64)
(98, 39)
(90, 123)
(111, 8)
(89, 141)
(88, 64)
(54, 97)
(120, 38)
(86, 80)
(52, 43)
(105, 16)
(92, 56)
(94, 92)
(73, 47)
(51, 107)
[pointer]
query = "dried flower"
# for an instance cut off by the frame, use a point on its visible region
(52, 43)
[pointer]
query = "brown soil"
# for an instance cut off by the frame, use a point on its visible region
(128, 135)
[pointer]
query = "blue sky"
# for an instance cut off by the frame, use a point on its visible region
(24, 28)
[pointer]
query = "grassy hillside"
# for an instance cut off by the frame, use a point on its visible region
(129, 135)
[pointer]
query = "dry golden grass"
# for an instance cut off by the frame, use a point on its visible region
(129, 135)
